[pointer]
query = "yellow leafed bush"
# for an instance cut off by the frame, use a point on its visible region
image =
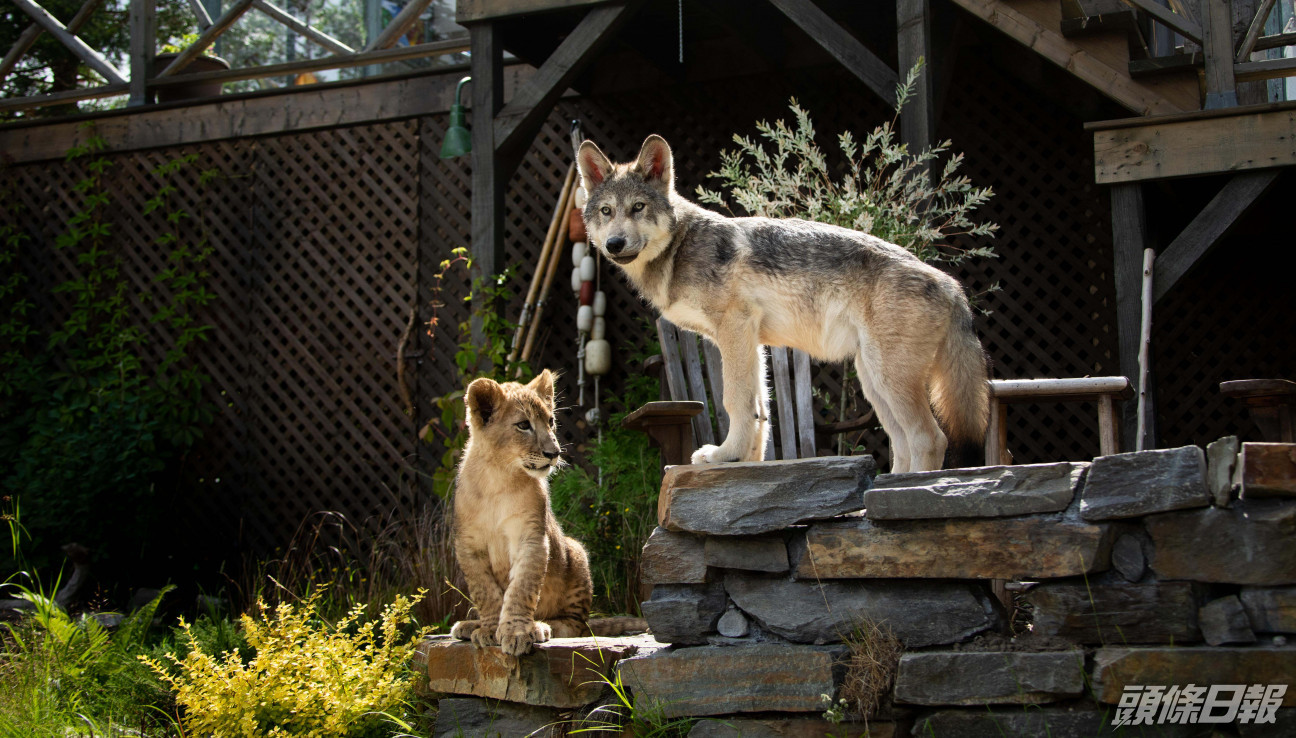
(306, 679)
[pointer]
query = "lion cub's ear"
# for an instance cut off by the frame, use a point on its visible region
(543, 385)
(483, 399)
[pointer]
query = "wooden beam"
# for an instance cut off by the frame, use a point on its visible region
(1112, 81)
(489, 177)
(1182, 24)
(471, 11)
(408, 16)
(143, 48)
(288, 110)
(207, 38)
(1253, 31)
(518, 121)
(1265, 69)
(313, 34)
(89, 56)
(200, 12)
(33, 32)
(913, 45)
(32, 102)
(1214, 221)
(1275, 41)
(844, 47)
(1196, 145)
(1217, 46)
(1129, 238)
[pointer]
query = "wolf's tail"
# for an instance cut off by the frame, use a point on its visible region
(960, 392)
(607, 627)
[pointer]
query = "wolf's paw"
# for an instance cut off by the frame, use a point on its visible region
(709, 454)
(516, 638)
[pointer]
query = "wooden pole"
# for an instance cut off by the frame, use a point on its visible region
(53, 27)
(206, 38)
(550, 237)
(1145, 407)
(143, 48)
(559, 245)
(312, 34)
(408, 16)
(33, 32)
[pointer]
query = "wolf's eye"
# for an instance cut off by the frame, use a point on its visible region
(605, 210)
(524, 425)
(637, 207)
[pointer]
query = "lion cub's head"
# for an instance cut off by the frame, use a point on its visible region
(514, 423)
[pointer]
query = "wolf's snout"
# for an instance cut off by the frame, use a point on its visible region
(615, 244)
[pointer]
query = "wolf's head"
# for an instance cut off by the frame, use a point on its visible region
(628, 215)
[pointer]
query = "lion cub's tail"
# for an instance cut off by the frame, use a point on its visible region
(608, 627)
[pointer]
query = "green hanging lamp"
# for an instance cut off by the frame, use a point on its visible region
(458, 141)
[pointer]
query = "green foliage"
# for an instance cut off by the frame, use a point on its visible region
(613, 510)
(883, 190)
(622, 716)
(307, 677)
(66, 673)
(86, 427)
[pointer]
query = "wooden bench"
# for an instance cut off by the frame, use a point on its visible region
(1105, 391)
(1269, 403)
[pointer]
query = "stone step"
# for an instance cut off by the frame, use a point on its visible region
(992, 491)
(564, 672)
(1250, 542)
(1145, 482)
(989, 677)
(1116, 668)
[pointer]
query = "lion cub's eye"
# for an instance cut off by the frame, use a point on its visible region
(524, 425)
(605, 210)
(637, 207)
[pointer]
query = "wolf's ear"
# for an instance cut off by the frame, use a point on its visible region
(594, 166)
(543, 385)
(483, 399)
(655, 163)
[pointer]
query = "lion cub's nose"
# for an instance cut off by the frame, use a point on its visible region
(551, 455)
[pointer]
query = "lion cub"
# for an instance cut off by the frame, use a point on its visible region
(528, 581)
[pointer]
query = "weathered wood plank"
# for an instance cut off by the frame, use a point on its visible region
(1184, 25)
(1129, 238)
(81, 49)
(517, 122)
(1195, 146)
(200, 12)
(715, 375)
(783, 397)
(844, 47)
(313, 34)
(1265, 69)
(1084, 388)
(805, 429)
(1106, 76)
(489, 175)
(672, 362)
(33, 32)
(1217, 45)
(471, 11)
(913, 45)
(1268, 470)
(1253, 31)
(697, 387)
(143, 48)
(1234, 200)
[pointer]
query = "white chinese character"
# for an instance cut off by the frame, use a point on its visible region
(1269, 704)
(1169, 705)
(1129, 699)
(1149, 702)
(1222, 710)
(1250, 702)
(1191, 698)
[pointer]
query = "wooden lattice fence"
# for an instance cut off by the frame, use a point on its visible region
(325, 240)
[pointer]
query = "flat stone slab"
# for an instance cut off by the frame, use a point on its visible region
(919, 613)
(1114, 668)
(1116, 612)
(746, 498)
(1035, 546)
(1084, 721)
(1221, 459)
(672, 558)
(748, 553)
(720, 680)
(1251, 542)
(1270, 609)
(1224, 621)
(564, 672)
(684, 614)
(992, 491)
(1145, 482)
(989, 677)
(788, 727)
(469, 717)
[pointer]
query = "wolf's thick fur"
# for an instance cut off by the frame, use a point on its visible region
(527, 580)
(832, 292)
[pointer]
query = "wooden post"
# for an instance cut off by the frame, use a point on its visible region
(488, 174)
(1129, 238)
(1145, 407)
(1108, 429)
(1217, 46)
(913, 44)
(143, 47)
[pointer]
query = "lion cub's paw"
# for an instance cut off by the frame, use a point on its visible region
(516, 639)
(464, 629)
(482, 633)
(709, 454)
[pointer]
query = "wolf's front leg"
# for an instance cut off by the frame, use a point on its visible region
(744, 377)
(518, 629)
(486, 595)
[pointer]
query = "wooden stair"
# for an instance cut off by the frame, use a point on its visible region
(1099, 42)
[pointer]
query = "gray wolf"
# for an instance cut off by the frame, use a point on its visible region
(834, 293)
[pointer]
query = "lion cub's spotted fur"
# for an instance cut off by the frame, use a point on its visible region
(527, 580)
